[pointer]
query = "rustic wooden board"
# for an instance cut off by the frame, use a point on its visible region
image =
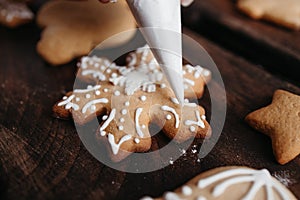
(274, 47)
(43, 157)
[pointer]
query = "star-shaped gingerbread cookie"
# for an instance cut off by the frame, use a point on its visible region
(281, 121)
(285, 13)
(130, 98)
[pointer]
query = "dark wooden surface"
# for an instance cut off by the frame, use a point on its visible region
(43, 158)
(274, 47)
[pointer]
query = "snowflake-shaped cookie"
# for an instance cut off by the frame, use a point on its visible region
(130, 98)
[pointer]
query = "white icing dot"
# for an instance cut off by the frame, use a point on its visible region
(192, 129)
(143, 126)
(127, 103)
(103, 133)
(186, 101)
(108, 71)
(104, 117)
(93, 107)
(65, 97)
(77, 99)
(87, 96)
(89, 87)
(114, 75)
(122, 120)
(168, 117)
(186, 190)
(203, 117)
(97, 92)
(105, 90)
(124, 111)
(163, 85)
(117, 93)
(206, 73)
(146, 198)
(121, 128)
(102, 68)
(171, 196)
(194, 151)
(201, 198)
(137, 140)
(96, 65)
(171, 162)
(190, 70)
(143, 98)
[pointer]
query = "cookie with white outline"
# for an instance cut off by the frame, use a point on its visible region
(130, 98)
(14, 13)
(232, 183)
(285, 13)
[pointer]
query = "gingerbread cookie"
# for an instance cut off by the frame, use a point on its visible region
(131, 97)
(232, 183)
(281, 121)
(285, 13)
(14, 13)
(67, 35)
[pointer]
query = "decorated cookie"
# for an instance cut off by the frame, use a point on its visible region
(232, 183)
(131, 97)
(285, 13)
(281, 121)
(14, 13)
(92, 69)
(67, 35)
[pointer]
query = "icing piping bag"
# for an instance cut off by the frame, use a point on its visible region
(160, 23)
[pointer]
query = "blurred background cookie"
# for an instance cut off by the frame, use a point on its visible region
(14, 13)
(73, 28)
(285, 13)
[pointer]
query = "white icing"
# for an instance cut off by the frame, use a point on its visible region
(127, 103)
(146, 198)
(109, 119)
(122, 120)
(192, 128)
(121, 128)
(138, 112)
(117, 93)
(105, 90)
(133, 79)
(163, 85)
(92, 103)
(97, 92)
(189, 82)
(124, 111)
(260, 178)
(77, 99)
(168, 117)
(89, 89)
(199, 123)
(68, 104)
(186, 190)
(115, 147)
(143, 98)
(87, 96)
(171, 196)
(94, 73)
(173, 111)
(104, 117)
(137, 140)
(174, 100)
(201, 198)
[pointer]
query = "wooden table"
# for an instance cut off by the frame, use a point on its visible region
(43, 157)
